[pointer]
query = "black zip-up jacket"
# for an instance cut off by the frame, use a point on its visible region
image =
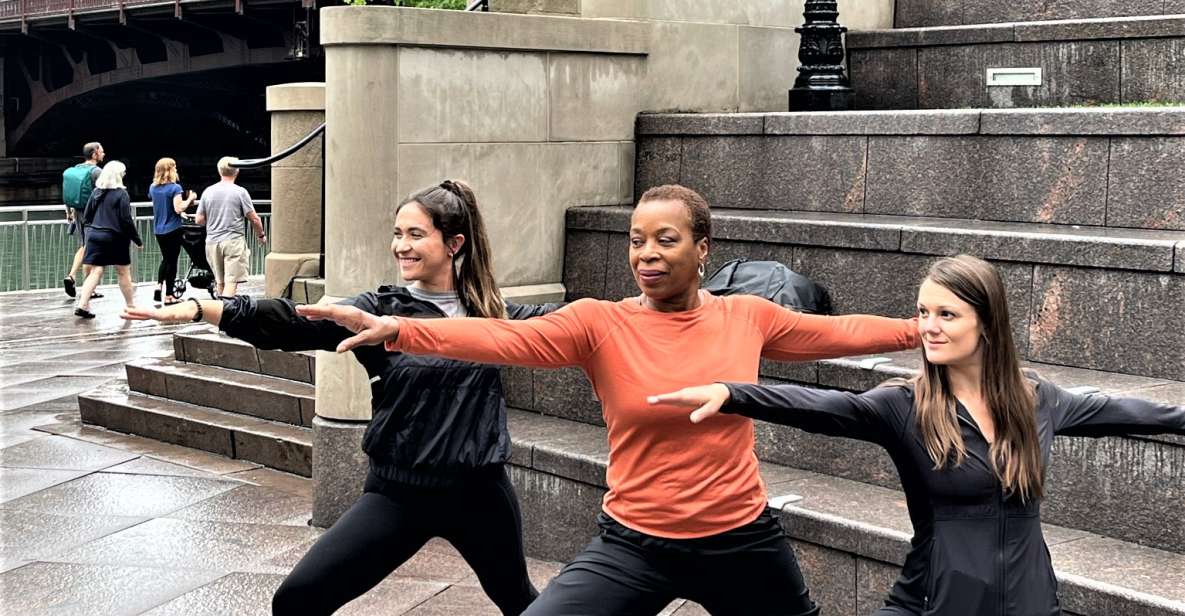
(111, 210)
(436, 421)
(975, 551)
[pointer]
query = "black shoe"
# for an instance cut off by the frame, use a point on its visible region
(96, 295)
(68, 284)
(156, 295)
(84, 313)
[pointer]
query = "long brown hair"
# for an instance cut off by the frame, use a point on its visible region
(165, 172)
(452, 207)
(1015, 452)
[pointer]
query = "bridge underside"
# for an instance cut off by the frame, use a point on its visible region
(147, 83)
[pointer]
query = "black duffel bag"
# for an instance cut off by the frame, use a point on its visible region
(771, 280)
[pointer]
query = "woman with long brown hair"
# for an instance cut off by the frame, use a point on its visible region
(970, 437)
(686, 514)
(169, 202)
(437, 441)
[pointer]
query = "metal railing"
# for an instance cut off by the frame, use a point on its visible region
(36, 250)
(22, 9)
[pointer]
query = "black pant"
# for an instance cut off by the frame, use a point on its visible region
(391, 522)
(170, 248)
(748, 571)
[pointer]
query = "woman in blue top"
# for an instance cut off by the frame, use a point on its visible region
(167, 206)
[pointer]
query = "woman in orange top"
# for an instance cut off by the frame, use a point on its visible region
(686, 513)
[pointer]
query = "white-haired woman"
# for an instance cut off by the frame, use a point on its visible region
(109, 229)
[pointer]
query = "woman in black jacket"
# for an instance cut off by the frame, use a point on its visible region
(437, 441)
(110, 229)
(970, 437)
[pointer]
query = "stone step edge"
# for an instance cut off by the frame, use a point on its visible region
(821, 528)
(180, 414)
(1035, 122)
(180, 410)
(264, 362)
(1068, 245)
(153, 364)
(1099, 28)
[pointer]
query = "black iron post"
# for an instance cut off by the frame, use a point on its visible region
(821, 84)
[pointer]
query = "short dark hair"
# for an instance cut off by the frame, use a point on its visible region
(697, 207)
(88, 150)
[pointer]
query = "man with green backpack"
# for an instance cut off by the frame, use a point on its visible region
(77, 184)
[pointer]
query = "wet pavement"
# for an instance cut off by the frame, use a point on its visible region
(95, 522)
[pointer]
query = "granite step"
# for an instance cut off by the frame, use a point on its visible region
(1103, 60)
(274, 444)
(246, 393)
(1079, 296)
(205, 345)
(1108, 167)
(927, 13)
(851, 537)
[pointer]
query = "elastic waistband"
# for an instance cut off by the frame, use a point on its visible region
(382, 474)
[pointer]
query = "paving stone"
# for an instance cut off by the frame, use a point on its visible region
(62, 454)
(18, 482)
(67, 589)
(251, 504)
(287, 482)
(145, 465)
(456, 599)
(119, 494)
(59, 405)
(1023, 179)
(44, 390)
(37, 535)
(1075, 73)
(235, 593)
(169, 452)
(393, 595)
(1126, 306)
(167, 543)
(1140, 193)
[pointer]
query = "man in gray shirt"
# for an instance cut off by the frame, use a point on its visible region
(224, 208)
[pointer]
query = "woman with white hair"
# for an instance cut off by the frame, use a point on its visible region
(109, 229)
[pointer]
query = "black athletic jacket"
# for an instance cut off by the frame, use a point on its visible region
(435, 420)
(975, 551)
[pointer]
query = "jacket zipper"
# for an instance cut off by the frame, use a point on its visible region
(1001, 522)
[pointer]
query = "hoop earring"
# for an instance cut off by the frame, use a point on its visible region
(701, 269)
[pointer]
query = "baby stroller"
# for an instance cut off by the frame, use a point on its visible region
(200, 274)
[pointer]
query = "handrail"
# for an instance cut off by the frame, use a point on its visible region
(478, 5)
(254, 163)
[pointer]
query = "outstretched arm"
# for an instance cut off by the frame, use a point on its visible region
(561, 338)
(264, 323)
(795, 336)
(1078, 415)
(870, 416)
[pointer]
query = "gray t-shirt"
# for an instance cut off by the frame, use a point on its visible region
(225, 206)
(448, 302)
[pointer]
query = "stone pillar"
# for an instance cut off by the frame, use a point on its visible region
(296, 109)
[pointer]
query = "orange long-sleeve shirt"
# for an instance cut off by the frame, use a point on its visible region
(667, 477)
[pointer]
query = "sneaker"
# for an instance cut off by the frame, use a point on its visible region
(84, 313)
(96, 295)
(68, 284)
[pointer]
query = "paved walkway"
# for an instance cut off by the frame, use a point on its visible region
(94, 522)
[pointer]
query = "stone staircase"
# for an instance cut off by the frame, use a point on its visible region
(219, 395)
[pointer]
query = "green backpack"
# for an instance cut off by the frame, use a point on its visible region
(77, 185)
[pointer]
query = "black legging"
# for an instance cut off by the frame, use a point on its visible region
(383, 530)
(170, 248)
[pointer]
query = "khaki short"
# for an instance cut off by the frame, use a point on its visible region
(230, 260)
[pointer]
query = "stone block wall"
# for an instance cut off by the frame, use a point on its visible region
(923, 13)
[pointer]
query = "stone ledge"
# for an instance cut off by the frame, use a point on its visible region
(1151, 582)
(1134, 121)
(1099, 247)
(383, 25)
(296, 97)
(1035, 31)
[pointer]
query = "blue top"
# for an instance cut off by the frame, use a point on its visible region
(165, 218)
